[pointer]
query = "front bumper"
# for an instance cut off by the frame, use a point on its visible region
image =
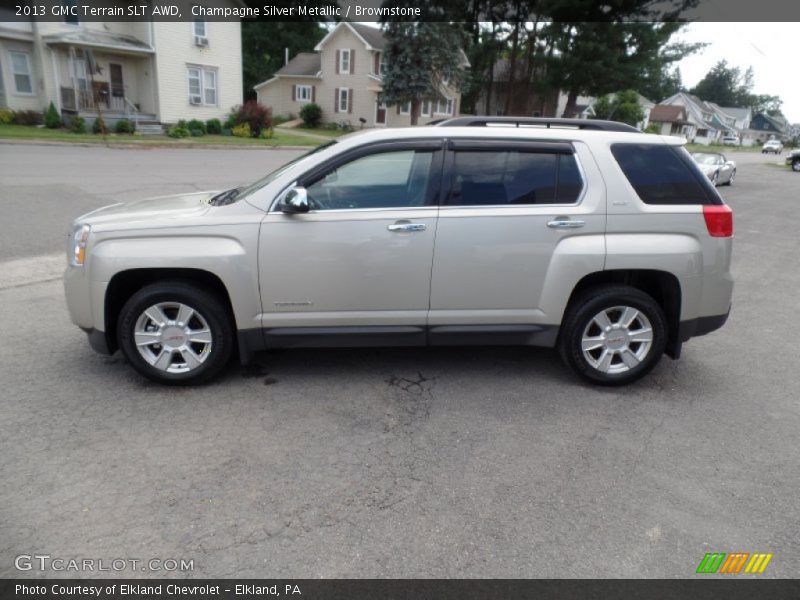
(791, 158)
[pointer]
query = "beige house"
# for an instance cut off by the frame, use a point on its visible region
(344, 76)
(154, 72)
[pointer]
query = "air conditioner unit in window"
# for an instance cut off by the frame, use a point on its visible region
(201, 40)
(195, 100)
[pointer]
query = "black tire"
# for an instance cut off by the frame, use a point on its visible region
(715, 179)
(209, 306)
(796, 165)
(731, 178)
(579, 316)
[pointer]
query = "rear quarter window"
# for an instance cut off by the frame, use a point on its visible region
(663, 174)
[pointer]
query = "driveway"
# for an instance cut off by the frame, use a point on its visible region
(467, 462)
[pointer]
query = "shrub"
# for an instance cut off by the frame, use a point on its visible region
(52, 120)
(179, 130)
(197, 125)
(99, 126)
(213, 127)
(311, 114)
(242, 130)
(6, 116)
(125, 126)
(230, 122)
(255, 114)
(653, 128)
(27, 117)
(77, 124)
(266, 134)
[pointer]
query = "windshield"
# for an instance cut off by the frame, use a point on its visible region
(705, 159)
(253, 187)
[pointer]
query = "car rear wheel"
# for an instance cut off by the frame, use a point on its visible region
(175, 333)
(796, 164)
(613, 335)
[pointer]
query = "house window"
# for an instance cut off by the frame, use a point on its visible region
(426, 108)
(21, 67)
(405, 109)
(446, 76)
(382, 65)
(304, 93)
(202, 86)
(200, 29)
(344, 61)
(344, 100)
(444, 107)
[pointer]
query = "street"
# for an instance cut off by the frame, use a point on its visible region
(420, 463)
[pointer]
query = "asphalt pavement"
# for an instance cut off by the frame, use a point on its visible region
(466, 462)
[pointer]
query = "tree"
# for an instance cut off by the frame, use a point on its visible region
(725, 85)
(596, 58)
(623, 107)
(418, 58)
(264, 46)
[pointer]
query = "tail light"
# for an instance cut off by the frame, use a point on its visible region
(719, 220)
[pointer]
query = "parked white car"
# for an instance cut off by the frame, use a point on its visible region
(775, 146)
(730, 140)
(718, 169)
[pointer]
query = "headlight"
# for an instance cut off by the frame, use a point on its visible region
(77, 246)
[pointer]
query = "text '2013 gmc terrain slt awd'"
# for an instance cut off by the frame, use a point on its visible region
(588, 236)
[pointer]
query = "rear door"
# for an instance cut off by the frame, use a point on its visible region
(518, 224)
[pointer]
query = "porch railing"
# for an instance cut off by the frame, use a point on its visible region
(108, 97)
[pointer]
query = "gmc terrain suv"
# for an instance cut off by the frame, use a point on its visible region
(587, 236)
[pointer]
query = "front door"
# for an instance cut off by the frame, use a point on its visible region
(117, 85)
(361, 257)
(518, 218)
(380, 113)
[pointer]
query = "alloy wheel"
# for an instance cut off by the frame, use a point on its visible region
(617, 339)
(173, 337)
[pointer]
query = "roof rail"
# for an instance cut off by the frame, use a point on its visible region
(596, 125)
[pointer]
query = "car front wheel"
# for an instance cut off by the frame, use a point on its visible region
(613, 335)
(175, 333)
(796, 164)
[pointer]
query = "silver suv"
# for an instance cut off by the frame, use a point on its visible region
(587, 236)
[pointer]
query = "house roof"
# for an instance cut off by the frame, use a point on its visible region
(735, 112)
(99, 39)
(305, 64)
(668, 113)
(371, 35)
(776, 123)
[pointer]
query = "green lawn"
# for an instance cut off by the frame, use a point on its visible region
(280, 138)
(721, 148)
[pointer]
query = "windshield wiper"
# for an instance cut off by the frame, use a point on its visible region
(226, 197)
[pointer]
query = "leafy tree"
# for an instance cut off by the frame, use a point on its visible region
(418, 57)
(623, 107)
(768, 104)
(725, 85)
(596, 58)
(264, 45)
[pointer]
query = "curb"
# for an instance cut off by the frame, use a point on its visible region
(145, 145)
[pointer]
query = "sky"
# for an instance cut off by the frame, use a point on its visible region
(770, 48)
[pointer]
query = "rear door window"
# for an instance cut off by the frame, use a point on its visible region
(663, 174)
(513, 177)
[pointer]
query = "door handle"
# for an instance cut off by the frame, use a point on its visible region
(565, 224)
(407, 227)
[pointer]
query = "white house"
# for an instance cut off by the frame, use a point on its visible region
(344, 77)
(156, 72)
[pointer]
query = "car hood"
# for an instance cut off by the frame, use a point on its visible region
(176, 207)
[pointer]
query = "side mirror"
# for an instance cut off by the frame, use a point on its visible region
(295, 201)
